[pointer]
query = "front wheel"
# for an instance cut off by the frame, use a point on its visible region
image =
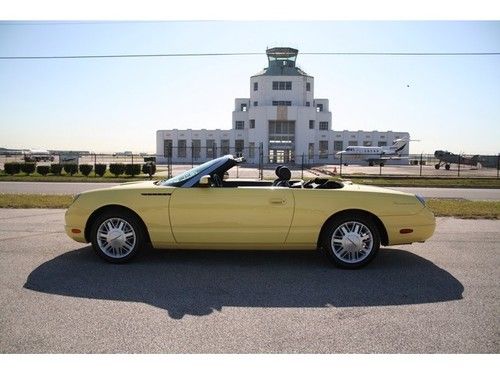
(116, 236)
(351, 241)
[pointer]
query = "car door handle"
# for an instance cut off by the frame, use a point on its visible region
(277, 201)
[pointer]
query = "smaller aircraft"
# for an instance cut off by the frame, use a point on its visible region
(447, 158)
(373, 154)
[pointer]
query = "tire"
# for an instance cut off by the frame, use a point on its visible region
(447, 167)
(437, 166)
(126, 232)
(382, 164)
(351, 241)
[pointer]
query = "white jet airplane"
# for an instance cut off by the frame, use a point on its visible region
(373, 154)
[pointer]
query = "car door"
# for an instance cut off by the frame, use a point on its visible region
(238, 215)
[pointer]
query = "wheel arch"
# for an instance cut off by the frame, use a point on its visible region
(384, 238)
(100, 210)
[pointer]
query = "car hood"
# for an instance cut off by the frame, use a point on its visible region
(126, 186)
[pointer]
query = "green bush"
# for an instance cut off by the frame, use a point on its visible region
(100, 169)
(117, 168)
(85, 169)
(71, 169)
(12, 168)
(149, 168)
(132, 169)
(56, 169)
(28, 168)
(43, 170)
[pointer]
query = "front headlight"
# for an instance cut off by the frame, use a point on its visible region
(420, 199)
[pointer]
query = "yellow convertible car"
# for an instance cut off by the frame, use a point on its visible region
(201, 209)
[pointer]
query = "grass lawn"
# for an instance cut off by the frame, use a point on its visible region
(441, 207)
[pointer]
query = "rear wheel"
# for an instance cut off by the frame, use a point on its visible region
(116, 236)
(351, 241)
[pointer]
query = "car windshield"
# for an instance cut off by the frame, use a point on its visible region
(179, 179)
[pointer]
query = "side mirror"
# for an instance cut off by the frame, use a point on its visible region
(204, 181)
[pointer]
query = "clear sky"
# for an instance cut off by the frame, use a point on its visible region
(452, 102)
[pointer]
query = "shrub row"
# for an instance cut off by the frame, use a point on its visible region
(148, 168)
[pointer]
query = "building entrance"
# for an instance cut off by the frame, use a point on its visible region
(277, 156)
(281, 142)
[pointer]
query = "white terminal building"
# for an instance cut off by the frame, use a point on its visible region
(282, 120)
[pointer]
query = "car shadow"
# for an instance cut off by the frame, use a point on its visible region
(200, 282)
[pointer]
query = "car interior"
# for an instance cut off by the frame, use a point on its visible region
(283, 174)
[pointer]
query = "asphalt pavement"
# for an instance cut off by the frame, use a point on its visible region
(78, 187)
(57, 296)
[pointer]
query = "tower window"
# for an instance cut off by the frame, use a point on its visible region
(319, 107)
(323, 125)
(240, 125)
(243, 107)
(308, 104)
(255, 86)
(311, 124)
(282, 102)
(308, 86)
(255, 104)
(282, 85)
(252, 124)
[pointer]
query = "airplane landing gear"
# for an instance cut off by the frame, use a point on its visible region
(437, 166)
(447, 167)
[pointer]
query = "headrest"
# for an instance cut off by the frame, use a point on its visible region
(284, 173)
(276, 171)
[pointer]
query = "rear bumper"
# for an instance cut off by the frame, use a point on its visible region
(422, 226)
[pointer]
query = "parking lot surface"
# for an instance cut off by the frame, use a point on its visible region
(57, 296)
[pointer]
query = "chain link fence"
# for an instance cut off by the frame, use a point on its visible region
(261, 164)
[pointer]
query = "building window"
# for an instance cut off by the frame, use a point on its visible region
(239, 145)
(282, 102)
(167, 148)
(319, 107)
(255, 86)
(323, 149)
(281, 134)
(308, 86)
(382, 144)
(310, 151)
(211, 149)
(181, 148)
(367, 143)
(224, 146)
(353, 143)
(255, 104)
(252, 124)
(282, 85)
(323, 125)
(196, 148)
(251, 150)
(243, 107)
(240, 125)
(308, 104)
(338, 145)
(311, 124)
